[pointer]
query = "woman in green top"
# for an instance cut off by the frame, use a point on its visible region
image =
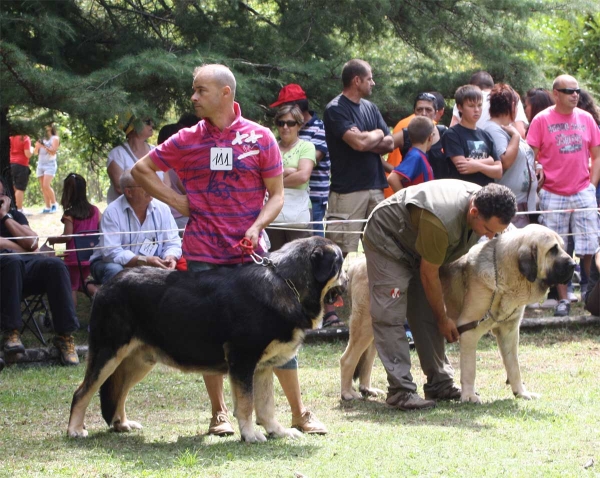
(298, 162)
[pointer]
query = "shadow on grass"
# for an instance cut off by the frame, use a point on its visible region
(136, 449)
(446, 414)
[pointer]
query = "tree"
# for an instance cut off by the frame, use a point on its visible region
(98, 60)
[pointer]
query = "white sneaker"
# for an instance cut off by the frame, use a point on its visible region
(549, 304)
(572, 297)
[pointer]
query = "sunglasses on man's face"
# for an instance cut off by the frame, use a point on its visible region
(569, 91)
(149, 122)
(289, 124)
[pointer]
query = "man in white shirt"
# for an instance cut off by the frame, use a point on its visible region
(137, 230)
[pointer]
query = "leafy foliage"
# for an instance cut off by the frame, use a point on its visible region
(99, 60)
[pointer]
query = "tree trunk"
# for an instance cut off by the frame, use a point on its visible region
(5, 148)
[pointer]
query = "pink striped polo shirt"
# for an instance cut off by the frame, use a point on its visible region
(223, 203)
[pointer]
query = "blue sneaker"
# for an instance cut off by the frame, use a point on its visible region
(53, 208)
(46, 210)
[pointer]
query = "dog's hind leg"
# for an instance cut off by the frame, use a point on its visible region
(113, 392)
(364, 375)
(507, 336)
(100, 365)
(264, 403)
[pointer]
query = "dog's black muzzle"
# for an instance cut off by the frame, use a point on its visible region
(562, 272)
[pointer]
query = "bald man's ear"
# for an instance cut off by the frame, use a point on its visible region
(226, 90)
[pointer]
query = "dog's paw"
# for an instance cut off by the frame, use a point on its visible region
(126, 426)
(371, 392)
(351, 395)
(253, 436)
(292, 433)
(525, 395)
(77, 433)
(470, 398)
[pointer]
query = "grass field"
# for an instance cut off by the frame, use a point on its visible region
(557, 435)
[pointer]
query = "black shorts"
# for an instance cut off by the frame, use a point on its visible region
(20, 175)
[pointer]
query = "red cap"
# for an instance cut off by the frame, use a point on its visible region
(289, 93)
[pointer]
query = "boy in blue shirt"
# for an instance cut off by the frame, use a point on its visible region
(415, 167)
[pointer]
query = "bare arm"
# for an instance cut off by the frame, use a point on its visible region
(16, 230)
(595, 172)
(387, 167)
(269, 211)
(430, 278)
(67, 231)
(398, 138)
(539, 172)
(298, 176)
(144, 173)
(363, 140)
(27, 152)
(319, 155)
(487, 166)
(114, 173)
(386, 145)
(512, 149)
(395, 182)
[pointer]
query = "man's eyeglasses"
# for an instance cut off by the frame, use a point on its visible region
(149, 122)
(426, 96)
(289, 124)
(569, 91)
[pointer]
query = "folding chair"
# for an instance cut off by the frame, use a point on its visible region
(30, 306)
(84, 246)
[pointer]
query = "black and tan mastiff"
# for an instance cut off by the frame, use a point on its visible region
(242, 321)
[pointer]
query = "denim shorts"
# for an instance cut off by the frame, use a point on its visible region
(46, 169)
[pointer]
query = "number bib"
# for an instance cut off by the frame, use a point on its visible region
(221, 159)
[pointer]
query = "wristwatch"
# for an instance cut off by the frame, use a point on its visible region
(7, 216)
(143, 260)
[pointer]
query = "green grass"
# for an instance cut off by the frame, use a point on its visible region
(554, 436)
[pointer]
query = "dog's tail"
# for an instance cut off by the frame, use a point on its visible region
(359, 366)
(109, 395)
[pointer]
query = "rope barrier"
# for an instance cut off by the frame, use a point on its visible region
(279, 226)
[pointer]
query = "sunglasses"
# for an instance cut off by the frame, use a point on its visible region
(426, 96)
(149, 122)
(289, 124)
(569, 91)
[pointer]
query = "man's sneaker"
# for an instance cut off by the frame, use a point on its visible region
(46, 210)
(572, 297)
(12, 342)
(411, 340)
(53, 208)
(563, 308)
(66, 346)
(309, 423)
(450, 393)
(409, 401)
(220, 425)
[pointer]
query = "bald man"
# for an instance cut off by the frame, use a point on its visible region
(226, 164)
(564, 138)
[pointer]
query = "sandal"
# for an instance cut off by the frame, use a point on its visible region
(331, 319)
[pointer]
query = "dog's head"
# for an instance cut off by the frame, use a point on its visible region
(542, 256)
(314, 265)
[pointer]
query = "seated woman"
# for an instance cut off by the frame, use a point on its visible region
(79, 215)
(515, 154)
(298, 162)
